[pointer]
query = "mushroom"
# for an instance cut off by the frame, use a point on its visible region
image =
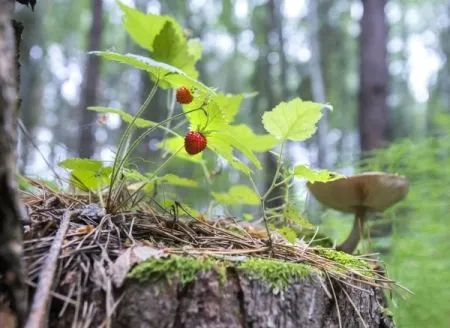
(359, 194)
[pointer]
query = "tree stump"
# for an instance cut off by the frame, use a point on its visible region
(243, 301)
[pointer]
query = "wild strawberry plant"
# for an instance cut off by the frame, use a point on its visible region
(210, 115)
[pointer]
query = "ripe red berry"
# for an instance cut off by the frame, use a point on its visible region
(194, 142)
(184, 96)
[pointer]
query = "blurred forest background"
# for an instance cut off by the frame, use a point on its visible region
(384, 65)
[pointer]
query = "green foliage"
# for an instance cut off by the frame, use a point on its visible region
(237, 195)
(421, 233)
(138, 122)
(87, 174)
(295, 120)
(171, 64)
(304, 172)
(278, 274)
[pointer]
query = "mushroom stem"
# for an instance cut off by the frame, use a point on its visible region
(350, 244)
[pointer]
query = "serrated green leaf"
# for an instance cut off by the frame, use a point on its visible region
(288, 233)
(229, 104)
(254, 142)
(143, 28)
(195, 48)
(295, 120)
(234, 141)
(134, 175)
(139, 122)
(175, 180)
(173, 76)
(92, 180)
(237, 195)
(84, 164)
(304, 172)
(208, 120)
(172, 49)
(223, 148)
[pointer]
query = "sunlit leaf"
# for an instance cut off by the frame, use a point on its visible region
(175, 180)
(139, 122)
(143, 28)
(81, 164)
(295, 120)
(304, 172)
(237, 195)
(174, 76)
(288, 233)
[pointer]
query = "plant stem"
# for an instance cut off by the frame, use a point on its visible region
(124, 142)
(263, 199)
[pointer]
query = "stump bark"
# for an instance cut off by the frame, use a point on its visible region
(242, 301)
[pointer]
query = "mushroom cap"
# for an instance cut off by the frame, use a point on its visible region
(375, 191)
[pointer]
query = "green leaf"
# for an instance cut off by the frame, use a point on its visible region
(254, 142)
(237, 195)
(81, 164)
(229, 104)
(304, 172)
(171, 48)
(173, 76)
(169, 204)
(134, 175)
(234, 141)
(223, 148)
(288, 233)
(92, 180)
(295, 120)
(195, 48)
(292, 215)
(143, 28)
(175, 180)
(139, 122)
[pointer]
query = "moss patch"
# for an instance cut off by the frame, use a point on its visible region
(182, 268)
(277, 274)
(347, 260)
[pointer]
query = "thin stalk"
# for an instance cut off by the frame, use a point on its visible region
(350, 244)
(124, 142)
(153, 175)
(272, 186)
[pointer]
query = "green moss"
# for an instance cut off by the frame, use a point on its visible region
(347, 260)
(278, 274)
(183, 268)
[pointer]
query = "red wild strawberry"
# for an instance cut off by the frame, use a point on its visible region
(184, 96)
(194, 142)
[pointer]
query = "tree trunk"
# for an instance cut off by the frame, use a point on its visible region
(245, 302)
(12, 279)
(86, 146)
(269, 92)
(373, 76)
(317, 82)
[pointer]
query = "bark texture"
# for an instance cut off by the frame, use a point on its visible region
(12, 279)
(245, 302)
(86, 146)
(373, 120)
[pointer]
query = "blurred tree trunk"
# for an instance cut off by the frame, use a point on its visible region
(269, 93)
(284, 94)
(13, 291)
(30, 82)
(86, 144)
(317, 82)
(373, 76)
